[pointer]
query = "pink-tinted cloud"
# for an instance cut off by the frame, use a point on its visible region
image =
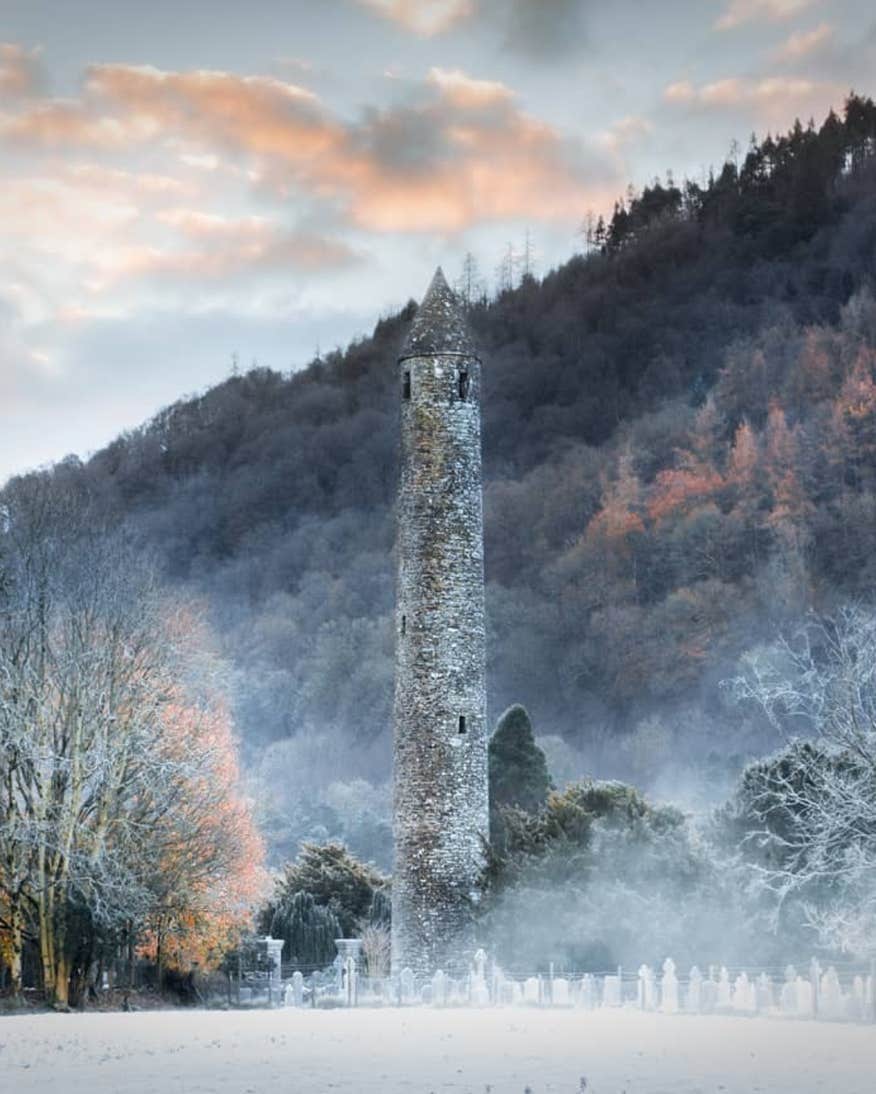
(54, 124)
(98, 177)
(239, 252)
(772, 100)
(465, 92)
(739, 12)
(457, 151)
(20, 73)
(538, 29)
(242, 244)
(680, 92)
(627, 131)
(263, 115)
(804, 43)
(422, 17)
(465, 152)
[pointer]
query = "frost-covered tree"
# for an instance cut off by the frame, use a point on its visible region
(352, 891)
(809, 814)
(118, 787)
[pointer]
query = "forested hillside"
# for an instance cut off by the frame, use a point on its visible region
(680, 458)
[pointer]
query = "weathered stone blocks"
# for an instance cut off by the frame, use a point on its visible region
(440, 747)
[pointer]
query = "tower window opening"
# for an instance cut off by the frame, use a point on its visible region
(406, 385)
(462, 726)
(404, 624)
(463, 385)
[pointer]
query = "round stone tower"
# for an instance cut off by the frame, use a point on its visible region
(440, 805)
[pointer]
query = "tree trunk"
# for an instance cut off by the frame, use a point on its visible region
(47, 950)
(16, 950)
(159, 957)
(61, 995)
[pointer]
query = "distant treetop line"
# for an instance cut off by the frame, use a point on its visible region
(679, 452)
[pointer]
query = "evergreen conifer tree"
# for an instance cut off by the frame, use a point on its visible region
(518, 770)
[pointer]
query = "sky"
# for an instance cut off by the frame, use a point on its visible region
(190, 187)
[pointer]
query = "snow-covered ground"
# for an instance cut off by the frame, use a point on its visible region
(422, 1051)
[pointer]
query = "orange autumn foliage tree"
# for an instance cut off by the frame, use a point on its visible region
(854, 418)
(616, 529)
(209, 870)
(679, 490)
(790, 504)
(209, 855)
(618, 518)
(743, 462)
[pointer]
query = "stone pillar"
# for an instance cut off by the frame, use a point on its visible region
(349, 949)
(274, 950)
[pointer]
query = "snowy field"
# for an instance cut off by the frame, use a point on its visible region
(422, 1051)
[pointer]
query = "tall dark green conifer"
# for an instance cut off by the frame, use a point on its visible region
(518, 770)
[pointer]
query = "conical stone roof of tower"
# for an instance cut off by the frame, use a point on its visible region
(439, 325)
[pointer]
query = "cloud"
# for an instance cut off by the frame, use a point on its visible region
(803, 43)
(58, 123)
(450, 152)
(627, 131)
(153, 194)
(461, 151)
(113, 180)
(682, 91)
(423, 17)
(18, 359)
(263, 114)
(739, 12)
(20, 72)
(465, 92)
(233, 246)
(537, 28)
(774, 100)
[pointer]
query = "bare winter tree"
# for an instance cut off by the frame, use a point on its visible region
(813, 807)
(376, 949)
(82, 678)
(470, 287)
(506, 271)
(109, 783)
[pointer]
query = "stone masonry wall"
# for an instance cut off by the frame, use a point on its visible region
(441, 787)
